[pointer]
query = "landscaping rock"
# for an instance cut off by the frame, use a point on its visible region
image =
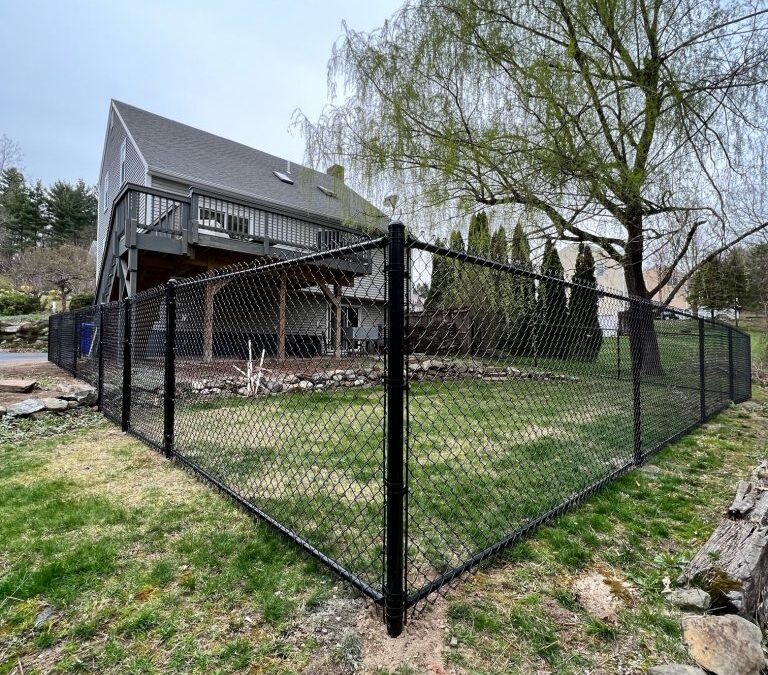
(10, 329)
(55, 404)
(25, 408)
(689, 598)
(305, 384)
(676, 669)
(17, 386)
(753, 406)
(724, 645)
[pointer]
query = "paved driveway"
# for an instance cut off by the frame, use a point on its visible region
(8, 358)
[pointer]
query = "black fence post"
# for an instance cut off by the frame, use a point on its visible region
(394, 587)
(731, 383)
(100, 375)
(169, 392)
(702, 375)
(618, 353)
(126, 412)
(636, 337)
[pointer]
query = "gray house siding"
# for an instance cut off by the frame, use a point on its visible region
(134, 173)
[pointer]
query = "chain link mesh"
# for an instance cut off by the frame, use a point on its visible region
(524, 393)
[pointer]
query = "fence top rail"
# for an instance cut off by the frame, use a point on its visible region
(538, 276)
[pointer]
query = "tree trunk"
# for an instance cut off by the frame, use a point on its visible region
(643, 341)
(63, 292)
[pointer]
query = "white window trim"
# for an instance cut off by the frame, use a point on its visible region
(105, 190)
(122, 161)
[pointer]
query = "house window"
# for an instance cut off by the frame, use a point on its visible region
(105, 191)
(599, 269)
(122, 163)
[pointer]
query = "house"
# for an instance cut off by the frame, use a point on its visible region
(175, 201)
(609, 274)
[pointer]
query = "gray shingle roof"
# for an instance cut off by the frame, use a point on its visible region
(175, 149)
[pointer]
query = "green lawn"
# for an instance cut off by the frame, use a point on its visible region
(485, 458)
(114, 560)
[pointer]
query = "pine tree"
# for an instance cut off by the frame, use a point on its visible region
(456, 293)
(500, 288)
(440, 282)
(72, 213)
(522, 305)
(21, 216)
(583, 308)
(707, 287)
(553, 322)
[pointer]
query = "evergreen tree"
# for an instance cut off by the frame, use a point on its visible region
(440, 281)
(522, 304)
(21, 213)
(456, 293)
(479, 235)
(501, 288)
(583, 308)
(554, 327)
(735, 284)
(706, 288)
(72, 213)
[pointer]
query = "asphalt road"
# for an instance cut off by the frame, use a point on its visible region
(22, 357)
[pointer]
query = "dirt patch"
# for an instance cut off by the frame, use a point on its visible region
(420, 647)
(602, 594)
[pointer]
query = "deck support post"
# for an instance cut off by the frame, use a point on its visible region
(281, 318)
(395, 385)
(337, 320)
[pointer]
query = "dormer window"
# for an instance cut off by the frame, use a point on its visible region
(283, 177)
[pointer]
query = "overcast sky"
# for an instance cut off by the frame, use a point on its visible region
(236, 68)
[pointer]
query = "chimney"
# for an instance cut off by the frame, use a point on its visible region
(337, 171)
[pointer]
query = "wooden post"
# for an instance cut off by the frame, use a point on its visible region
(281, 320)
(337, 320)
(210, 294)
(211, 289)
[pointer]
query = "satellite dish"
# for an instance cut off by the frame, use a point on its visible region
(391, 201)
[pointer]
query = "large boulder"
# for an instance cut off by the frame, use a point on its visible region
(724, 645)
(55, 404)
(25, 408)
(676, 669)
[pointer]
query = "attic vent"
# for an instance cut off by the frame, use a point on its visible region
(283, 177)
(327, 192)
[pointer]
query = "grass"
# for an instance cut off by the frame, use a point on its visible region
(485, 457)
(115, 560)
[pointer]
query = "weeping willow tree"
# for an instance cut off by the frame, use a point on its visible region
(633, 125)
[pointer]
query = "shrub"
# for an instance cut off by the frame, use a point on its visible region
(81, 300)
(15, 302)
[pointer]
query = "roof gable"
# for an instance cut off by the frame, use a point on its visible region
(178, 150)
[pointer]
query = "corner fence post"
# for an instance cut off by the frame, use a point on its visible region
(100, 376)
(731, 383)
(636, 338)
(702, 375)
(126, 416)
(394, 586)
(169, 391)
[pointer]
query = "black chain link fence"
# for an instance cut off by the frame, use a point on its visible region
(400, 410)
